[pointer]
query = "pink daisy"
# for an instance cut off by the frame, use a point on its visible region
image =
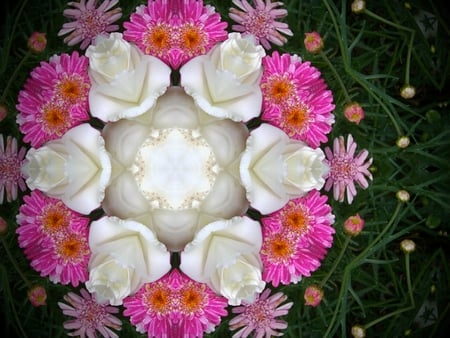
(296, 238)
(54, 98)
(89, 316)
(175, 306)
(261, 21)
(11, 160)
(175, 31)
(346, 169)
(89, 21)
(296, 99)
(54, 239)
(261, 316)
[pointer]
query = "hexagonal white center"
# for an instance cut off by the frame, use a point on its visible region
(175, 168)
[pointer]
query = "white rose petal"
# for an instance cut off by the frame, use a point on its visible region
(125, 255)
(75, 168)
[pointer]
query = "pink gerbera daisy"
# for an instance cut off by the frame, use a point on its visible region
(175, 31)
(296, 98)
(346, 169)
(296, 239)
(11, 160)
(54, 98)
(261, 21)
(54, 239)
(175, 306)
(89, 21)
(261, 316)
(89, 316)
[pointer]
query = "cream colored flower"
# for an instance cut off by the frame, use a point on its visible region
(225, 255)
(124, 82)
(75, 168)
(225, 82)
(125, 255)
(275, 168)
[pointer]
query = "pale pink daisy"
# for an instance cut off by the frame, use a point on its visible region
(346, 169)
(296, 238)
(11, 160)
(54, 239)
(261, 21)
(54, 98)
(89, 316)
(296, 98)
(175, 31)
(260, 316)
(89, 21)
(175, 306)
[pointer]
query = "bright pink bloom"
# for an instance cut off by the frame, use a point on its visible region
(261, 21)
(89, 316)
(11, 160)
(313, 42)
(354, 112)
(353, 225)
(54, 239)
(296, 238)
(54, 98)
(37, 295)
(346, 168)
(261, 316)
(296, 99)
(175, 306)
(313, 295)
(175, 31)
(37, 42)
(89, 21)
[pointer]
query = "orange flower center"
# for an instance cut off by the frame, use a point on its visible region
(192, 39)
(157, 39)
(55, 119)
(55, 218)
(297, 220)
(191, 299)
(278, 248)
(71, 248)
(70, 90)
(157, 298)
(279, 89)
(297, 117)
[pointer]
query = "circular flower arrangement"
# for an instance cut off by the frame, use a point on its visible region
(176, 169)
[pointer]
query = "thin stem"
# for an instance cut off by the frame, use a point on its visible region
(336, 75)
(408, 279)
(387, 22)
(336, 262)
(14, 263)
(14, 75)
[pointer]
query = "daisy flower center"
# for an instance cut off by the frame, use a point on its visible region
(193, 39)
(297, 220)
(55, 119)
(297, 117)
(279, 248)
(91, 23)
(191, 299)
(71, 89)
(259, 315)
(91, 314)
(258, 24)
(342, 168)
(71, 249)
(10, 168)
(157, 299)
(54, 218)
(279, 89)
(157, 39)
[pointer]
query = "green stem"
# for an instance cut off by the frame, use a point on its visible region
(14, 75)
(336, 75)
(336, 262)
(14, 263)
(408, 279)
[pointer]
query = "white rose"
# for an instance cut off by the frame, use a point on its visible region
(225, 255)
(125, 256)
(229, 87)
(75, 168)
(275, 168)
(124, 82)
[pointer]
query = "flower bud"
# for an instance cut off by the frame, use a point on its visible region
(402, 196)
(407, 92)
(358, 6)
(353, 112)
(358, 331)
(313, 295)
(37, 42)
(407, 246)
(403, 142)
(353, 225)
(37, 295)
(313, 42)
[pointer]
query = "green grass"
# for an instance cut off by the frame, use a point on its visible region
(367, 280)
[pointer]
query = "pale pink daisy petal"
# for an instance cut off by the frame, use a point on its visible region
(175, 306)
(54, 238)
(261, 21)
(261, 316)
(296, 238)
(89, 316)
(54, 98)
(296, 99)
(11, 160)
(175, 31)
(89, 21)
(346, 169)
